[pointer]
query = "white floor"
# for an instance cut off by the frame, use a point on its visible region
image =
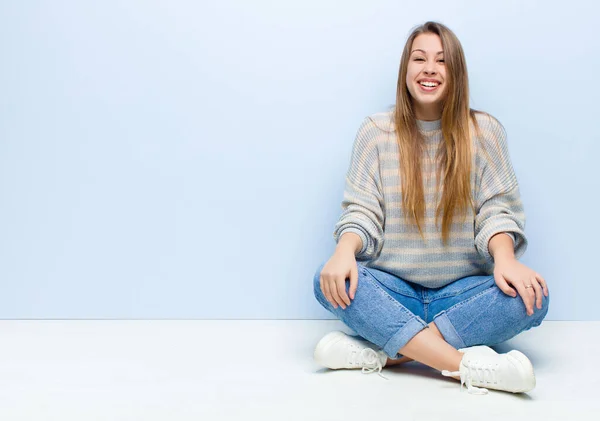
(263, 370)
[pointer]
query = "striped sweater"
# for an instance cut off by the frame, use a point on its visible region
(372, 206)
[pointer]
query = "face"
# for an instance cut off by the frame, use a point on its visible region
(426, 76)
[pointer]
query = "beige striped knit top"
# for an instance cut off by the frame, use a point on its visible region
(372, 205)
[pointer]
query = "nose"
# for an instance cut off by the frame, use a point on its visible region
(429, 68)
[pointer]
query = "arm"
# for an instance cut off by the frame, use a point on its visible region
(499, 208)
(509, 271)
(351, 242)
(359, 231)
(501, 248)
(500, 222)
(362, 213)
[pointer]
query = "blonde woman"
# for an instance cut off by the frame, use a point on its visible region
(426, 265)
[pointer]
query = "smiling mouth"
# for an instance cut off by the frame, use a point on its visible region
(430, 84)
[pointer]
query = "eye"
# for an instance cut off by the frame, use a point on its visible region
(419, 59)
(441, 60)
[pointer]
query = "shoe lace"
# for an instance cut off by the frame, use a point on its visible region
(481, 373)
(369, 360)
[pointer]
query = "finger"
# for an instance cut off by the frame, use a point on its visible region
(353, 281)
(334, 293)
(530, 296)
(538, 292)
(531, 291)
(341, 289)
(326, 292)
(501, 282)
(542, 283)
(527, 299)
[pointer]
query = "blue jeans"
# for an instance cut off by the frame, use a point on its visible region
(388, 311)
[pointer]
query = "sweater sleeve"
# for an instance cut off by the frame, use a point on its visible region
(362, 204)
(498, 202)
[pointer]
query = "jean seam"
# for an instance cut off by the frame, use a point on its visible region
(375, 282)
(462, 291)
(468, 300)
(393, 300)
(397, 292)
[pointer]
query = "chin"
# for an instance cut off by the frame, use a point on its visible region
(429, 101)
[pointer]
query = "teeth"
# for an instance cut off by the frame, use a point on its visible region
(429, 84)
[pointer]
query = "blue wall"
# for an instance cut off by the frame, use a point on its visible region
(186, 159)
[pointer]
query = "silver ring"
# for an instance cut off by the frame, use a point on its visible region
(528, 286)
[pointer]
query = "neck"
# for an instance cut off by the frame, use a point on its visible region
(430, 113)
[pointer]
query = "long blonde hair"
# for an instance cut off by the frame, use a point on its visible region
(454, 160)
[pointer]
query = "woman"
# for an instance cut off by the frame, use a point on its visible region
(432, 213)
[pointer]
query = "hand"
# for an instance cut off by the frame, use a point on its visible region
(513, 272)
(342, 265)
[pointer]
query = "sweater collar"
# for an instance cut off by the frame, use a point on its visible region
(427, 126)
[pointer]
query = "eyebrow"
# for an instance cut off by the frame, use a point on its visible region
(424, 52)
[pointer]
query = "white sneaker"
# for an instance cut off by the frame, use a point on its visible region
(511, 372)
(338, 350)
(480, 349)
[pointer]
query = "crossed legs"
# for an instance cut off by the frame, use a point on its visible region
(429, 347)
